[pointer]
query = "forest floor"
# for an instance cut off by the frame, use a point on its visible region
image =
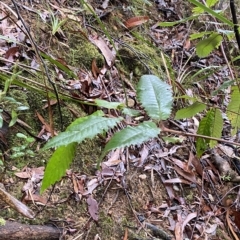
(156, 190)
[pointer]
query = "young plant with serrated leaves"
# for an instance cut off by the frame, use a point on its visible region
(212, 39)
(156, 98)
(211, 125)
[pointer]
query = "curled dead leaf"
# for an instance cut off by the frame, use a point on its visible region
(136, 21)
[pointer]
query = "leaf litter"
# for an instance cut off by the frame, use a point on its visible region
(181, 195)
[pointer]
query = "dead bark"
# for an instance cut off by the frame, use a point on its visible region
(18, 231)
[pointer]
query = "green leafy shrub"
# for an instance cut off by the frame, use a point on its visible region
(156, 98)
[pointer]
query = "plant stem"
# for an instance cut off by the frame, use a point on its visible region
(164, 129)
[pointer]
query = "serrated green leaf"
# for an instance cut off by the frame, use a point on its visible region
(197, 10)
(211, 3)
(205, 128)
(217, 127)
(109, 105)
(81, 129)
(58, 164)
(199, 35)
(206, 46)
(132, 136)
(233, 110)
(190, 111)
(155, 96)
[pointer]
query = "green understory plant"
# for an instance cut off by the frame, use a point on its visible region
(156, 98)
(10, 104)
(56, 24)
(24, 148)
(212, 123)
(211, 39)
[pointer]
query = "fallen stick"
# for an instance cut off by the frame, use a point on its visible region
(14, 230)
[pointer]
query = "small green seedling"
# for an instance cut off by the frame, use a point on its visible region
(56, 24)
(23, 149)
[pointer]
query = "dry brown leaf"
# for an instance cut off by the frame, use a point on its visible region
(92, 207)
(95, 70)
(22, 174)
(236, 220)
(169, 188)
(176, 180)
(11, 53)
(136, 21)
(52, 102)
(46, 125)
(125, 234)
(107, 53)
(188, 219)
(91, 185)
(187, 44)
(34, 198)
(189, 176)
(230, 224)
(196, 163)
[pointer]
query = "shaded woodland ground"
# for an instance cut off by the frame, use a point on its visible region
(160, 189)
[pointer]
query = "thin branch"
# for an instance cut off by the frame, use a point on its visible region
(164, 129)
(43, 63)
(235, 22)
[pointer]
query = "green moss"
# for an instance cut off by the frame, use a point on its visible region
(140, 59)
(81, 51)
(2, 222)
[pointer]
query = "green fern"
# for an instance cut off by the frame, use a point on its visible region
(155, 96)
